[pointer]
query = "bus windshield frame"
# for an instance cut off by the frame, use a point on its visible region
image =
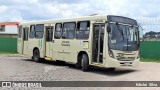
(123, 35)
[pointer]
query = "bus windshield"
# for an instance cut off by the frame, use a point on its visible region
(123, 37)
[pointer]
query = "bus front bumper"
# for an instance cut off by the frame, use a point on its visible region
(116, 63)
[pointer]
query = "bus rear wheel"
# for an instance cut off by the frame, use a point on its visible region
(36, 55)
(85, 62)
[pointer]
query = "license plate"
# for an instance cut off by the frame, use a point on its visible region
(127, 63)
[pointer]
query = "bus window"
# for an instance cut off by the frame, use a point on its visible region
(32, 31)
(58, 31)
(20, 32)
(83, 30)
(25, 33)
(68, 30)
(39, 30)
(49, 34)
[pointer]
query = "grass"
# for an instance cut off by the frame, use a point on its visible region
(150, 60)
(8, 52)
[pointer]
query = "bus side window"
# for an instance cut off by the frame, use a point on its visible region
(39, 30)
(69, 30)
(25, 29)
(83, 30)
(32, 31)
(58, 31)
(20, 32)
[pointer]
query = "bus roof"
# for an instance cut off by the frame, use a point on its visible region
(82, 18)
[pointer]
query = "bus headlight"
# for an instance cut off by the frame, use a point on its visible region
(111, 54)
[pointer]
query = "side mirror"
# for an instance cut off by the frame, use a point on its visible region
(108, 29)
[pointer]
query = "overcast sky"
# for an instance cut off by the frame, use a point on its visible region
(28, 10)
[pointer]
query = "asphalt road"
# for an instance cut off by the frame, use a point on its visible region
(18, 68)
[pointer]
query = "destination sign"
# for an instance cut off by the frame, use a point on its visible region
(120, 19)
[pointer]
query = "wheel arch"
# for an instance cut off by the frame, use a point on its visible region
(34, 49)
(79, 56)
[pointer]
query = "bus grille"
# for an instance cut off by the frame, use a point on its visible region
(125, 57)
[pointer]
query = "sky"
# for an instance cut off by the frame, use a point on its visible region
(30, 10)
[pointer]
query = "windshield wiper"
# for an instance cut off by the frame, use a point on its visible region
(120, 30)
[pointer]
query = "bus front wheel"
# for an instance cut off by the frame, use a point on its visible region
(85, 62)
(36, 55)
(111, 69)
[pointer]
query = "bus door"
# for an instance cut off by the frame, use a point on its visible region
(98, 42)
(20, 40)
(49, 37)
(25, 40)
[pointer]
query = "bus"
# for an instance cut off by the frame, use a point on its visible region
(102, 40)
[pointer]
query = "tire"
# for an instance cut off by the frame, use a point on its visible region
(36, 55)
(85, 62)
(78, 64)
(111, 69)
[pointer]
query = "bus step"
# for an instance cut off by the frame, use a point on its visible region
(48, 58)
(96, 64)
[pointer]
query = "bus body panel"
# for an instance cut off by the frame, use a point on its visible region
(35, 43)
(25, 47)
(20, 45)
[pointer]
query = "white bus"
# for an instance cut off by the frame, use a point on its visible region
(102, 40)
